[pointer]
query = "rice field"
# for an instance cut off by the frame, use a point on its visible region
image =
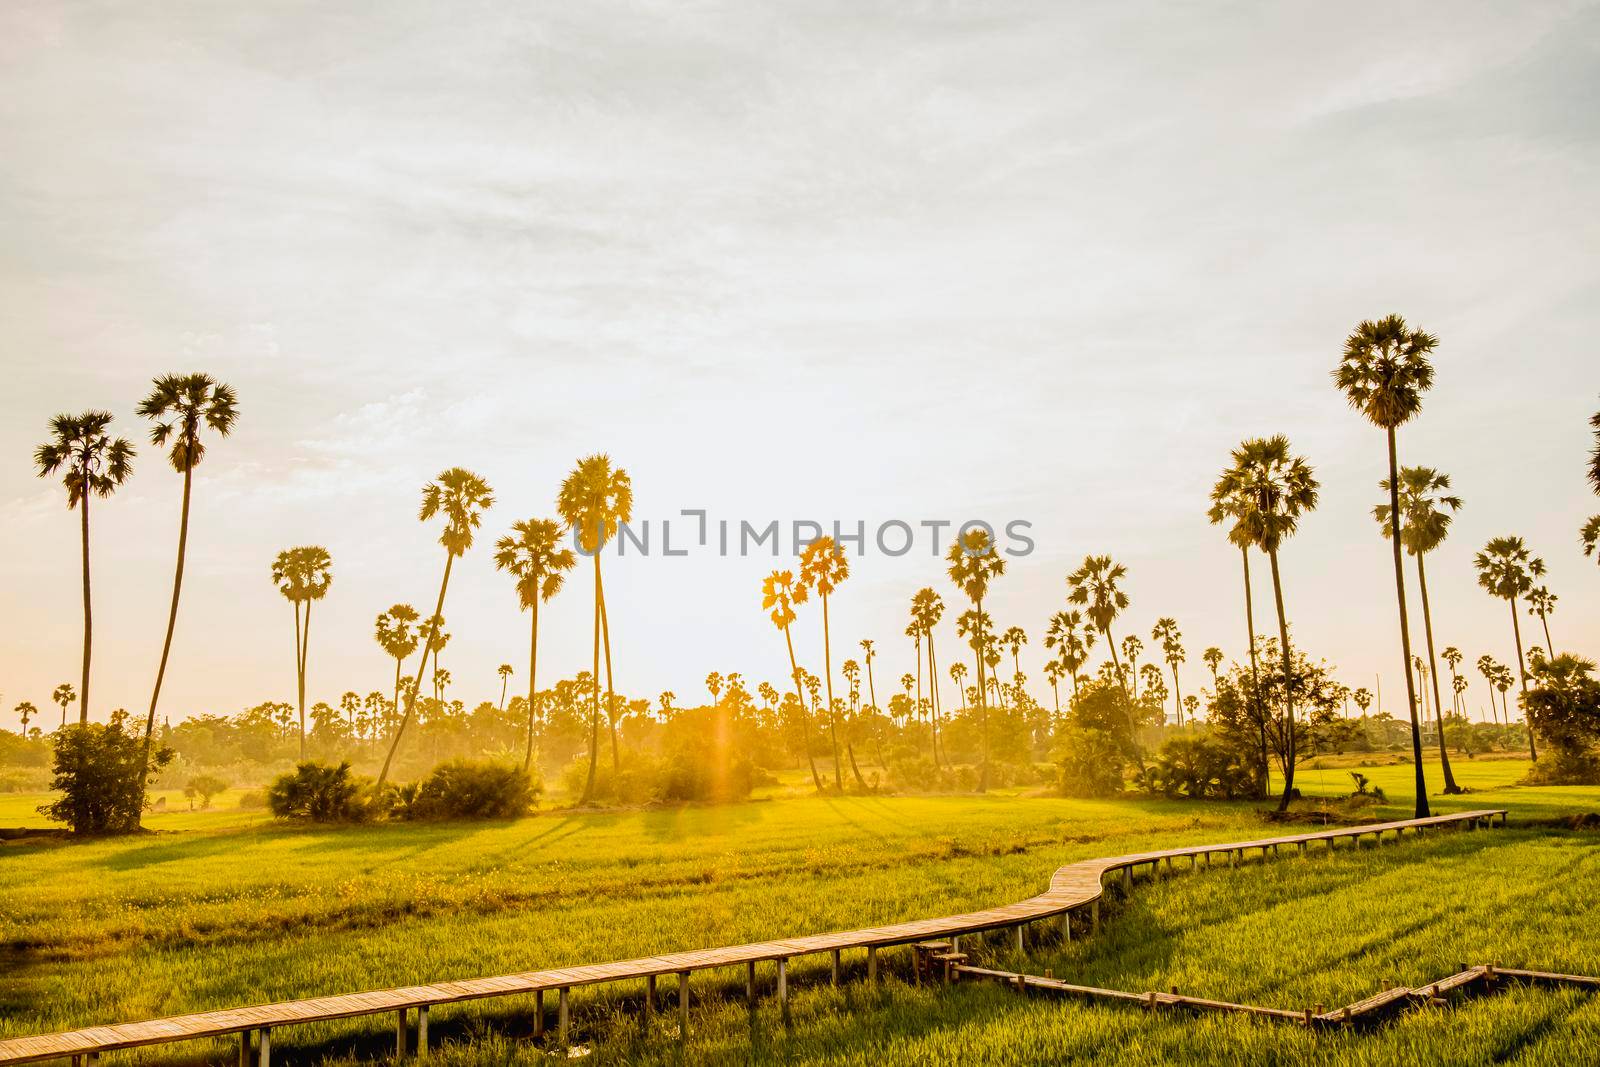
(225, 907)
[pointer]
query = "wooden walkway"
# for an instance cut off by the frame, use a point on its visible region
(1073, 889)
(1379, 1006)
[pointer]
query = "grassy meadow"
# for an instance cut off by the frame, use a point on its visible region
(225, 906)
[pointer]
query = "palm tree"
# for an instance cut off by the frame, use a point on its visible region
(1363, 699)
(1426, 507)
(532, 553)
(1165, 633)
(978, 630)
(595, 499)
(958, 673)
(1073, 641)
(180, 405)
(1230, 500)
(1452, 657)
(867, 656)
(1131, 647)
(927, 608)
(1096, 586)
(1590, 537)
(396, 637)
(64, 695)
(1383, 373)
(823, 567)
(1491, 672)
(1276, 490)
(974, 563)
(302, 575)
(461, 497)
(26, 711)
(1594, 453)
(1012, 641)
(1212, 658)
(1541, 602)
(779, 595)
(505, 671)
(1504, 570)
(1053, 672)
(914, 632)
(92, 463)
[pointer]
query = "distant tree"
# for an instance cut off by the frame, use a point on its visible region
(532, 554)
(666, 699)
(1212, 658)
(1590, 537)
(460, 497)
(779, 595)
(180, 406)
(303, 576)
(927, 608)
(1273, 491)
(1541, 602)
(1383, 373)
(595, 500)
(1131, 647)
(823, 568)
(64, 695)
(1564, 706)
(1096, 586)
(1232, 501)
(868, 654)
(26, 712)
(958, 671)
(974, 564)
(204, 787)
(92, 463)
(1426, 508)
(1072, 641)
(1452, 657)
(1504, 570)
(397, 638)
(505, 671)
(102, 772)
(1363, 699)
(1166, 635)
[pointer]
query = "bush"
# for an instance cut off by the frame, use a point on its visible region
(1090, 762)
(320, 793)
(204, 786)
(98, 771)
(254, 800)
(1198, 767)
(465, 789)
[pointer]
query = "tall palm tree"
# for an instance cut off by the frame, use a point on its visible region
(92, 463)
(181, 405)
(505, 670)
(958, 674)
(927, 608)
(1280, 489)
(532, 553)
(396, 637)
(1071, 641)
(1426, 507)
(1231, 502)
(1212, 658)
(26, 711)
(1452, 657)
(64, 695)
(1096, 586)
(595, 499)
(978, 629)
(1012, 641)
(823, 567)
(914, 632)
(974, 563)
(1165, 633)
(1490, 670)
(1504, 570)
(1363, 699)
(460, 497)
(1541, 602)
(1053, 671)
(779, 595)
(303, 576)
(1131, 647)
(1383, 373)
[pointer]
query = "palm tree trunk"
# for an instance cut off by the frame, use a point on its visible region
(877, 725)
(1450, 786)
(611, 695)
(1522, 679)
(1177, 694)
(833, 716)
(172, 624)
(1544, 621)
(1255, 676)
(1421, 785)
(805, 725)
(422, 665)
(88, 613)
(594, 708)
(504, 680)
(933, 744)
(983, 706)
(397, 666)
(1288, 684)
(299, 686)
(533, 670)
(1133, 723)
(305, 655)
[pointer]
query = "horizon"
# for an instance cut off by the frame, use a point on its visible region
(1025, 278)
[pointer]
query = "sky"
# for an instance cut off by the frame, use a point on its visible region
(867, 262)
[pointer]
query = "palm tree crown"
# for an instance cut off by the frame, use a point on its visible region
(1425, 509)
(532, 554)
(594, 500)
(92, 460)
(461, 497)
(1096, 586)
(1266, 491)
(180, 404)
(1503, 567)
(974, 563)
(1385, 370)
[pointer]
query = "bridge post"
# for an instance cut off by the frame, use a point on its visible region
(683, 1004)
(564, 1016)
(650, 993)
(750, 981)
(244, 1050)
(834, 973)
(264, 1057)
(783, 987)
(1094, 917)
(400, 1034)
(1066, 926)
(872, 963)
(1021, 948)
(422, 1030)
(538, 1013)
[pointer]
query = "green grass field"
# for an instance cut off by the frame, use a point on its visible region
(224, 907)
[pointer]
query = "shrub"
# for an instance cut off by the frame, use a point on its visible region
(254, 800)
(1198, 767)
(98, 771)
(1090, 762)
(204, 786)
(466, 789)
(318, 792)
